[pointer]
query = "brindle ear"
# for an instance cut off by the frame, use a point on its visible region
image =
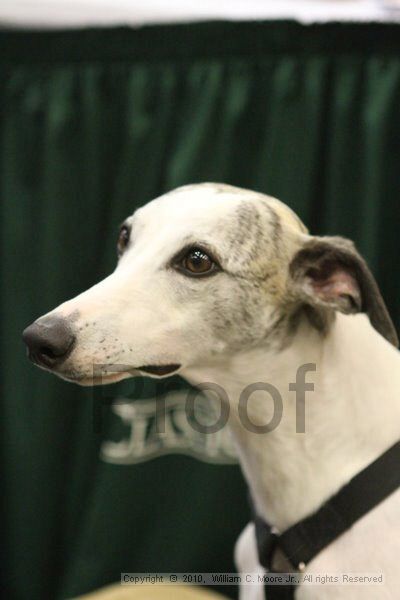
(329, 273)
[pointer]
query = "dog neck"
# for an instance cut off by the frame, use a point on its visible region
(351, 416)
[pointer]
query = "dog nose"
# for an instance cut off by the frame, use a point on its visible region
(49, 341)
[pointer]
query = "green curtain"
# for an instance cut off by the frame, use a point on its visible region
(95, 123)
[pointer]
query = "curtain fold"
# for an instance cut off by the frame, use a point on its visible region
(95, 123)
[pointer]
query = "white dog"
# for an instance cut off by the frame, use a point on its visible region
(225, 285)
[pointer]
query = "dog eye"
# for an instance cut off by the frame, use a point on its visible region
(197, 262)
(123, 239)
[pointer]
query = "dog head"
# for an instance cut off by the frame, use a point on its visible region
(203, 271)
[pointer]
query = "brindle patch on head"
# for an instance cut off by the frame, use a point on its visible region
(250, 240)
(275, 227)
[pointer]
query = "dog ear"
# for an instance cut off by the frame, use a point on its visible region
(329, 273)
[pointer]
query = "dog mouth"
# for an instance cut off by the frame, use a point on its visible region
(108, 376)
(159, 370)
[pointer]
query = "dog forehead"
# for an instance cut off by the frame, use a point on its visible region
(205, 206)
(190, 205)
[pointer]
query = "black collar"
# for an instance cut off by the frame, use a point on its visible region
(304, 540)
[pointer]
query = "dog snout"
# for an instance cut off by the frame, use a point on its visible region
(49, 341)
